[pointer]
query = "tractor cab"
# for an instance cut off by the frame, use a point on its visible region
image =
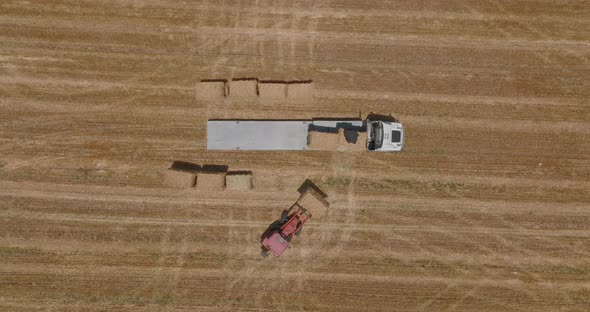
(275, 243)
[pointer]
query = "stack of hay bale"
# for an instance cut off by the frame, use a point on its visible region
(251, 89)
(184, 175)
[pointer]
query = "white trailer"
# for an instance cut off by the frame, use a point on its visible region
(317, 134)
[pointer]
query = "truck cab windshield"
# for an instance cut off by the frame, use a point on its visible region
(396, 136)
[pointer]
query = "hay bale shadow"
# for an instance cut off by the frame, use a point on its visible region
(214, 80)
(309, 81)
(245, 79)
(214, 168)
(184, 166)
(274, 81)
(239, 172)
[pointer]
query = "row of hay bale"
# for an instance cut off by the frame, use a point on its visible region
(184, 175)
(245, 89)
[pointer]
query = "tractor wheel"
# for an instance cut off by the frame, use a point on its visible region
(284, 216)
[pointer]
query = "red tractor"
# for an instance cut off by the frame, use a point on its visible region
(277, 240)
(277, 237)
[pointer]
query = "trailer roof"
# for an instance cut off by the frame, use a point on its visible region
(257, 135)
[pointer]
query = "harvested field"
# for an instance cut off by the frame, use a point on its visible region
(486, 209)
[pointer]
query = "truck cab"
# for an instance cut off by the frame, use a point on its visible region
(385, 136)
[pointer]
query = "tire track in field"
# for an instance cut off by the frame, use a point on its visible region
(369, 13)
(255, 283)
(505, 245)
(337, 227)
(242, 267)
(269, 282)
(333, 37)
(334, 242)
(511, 244)
(534, 254)
(159, 276)
(527, 25)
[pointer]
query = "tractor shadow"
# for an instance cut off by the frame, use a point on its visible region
(275, 225)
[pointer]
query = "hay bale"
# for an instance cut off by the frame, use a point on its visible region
(324, 141)
(314, 203)
(243, 89)
(179, 179)
(211, 181)
(213, 90)
(300, 91)
(272, 90)
(337, 141)
(238, 181)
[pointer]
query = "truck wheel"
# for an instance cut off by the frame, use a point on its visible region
(298, 232)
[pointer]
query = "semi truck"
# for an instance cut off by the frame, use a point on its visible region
(380, 135)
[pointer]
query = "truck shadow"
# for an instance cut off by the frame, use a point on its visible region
(386, 118)
(351, 130)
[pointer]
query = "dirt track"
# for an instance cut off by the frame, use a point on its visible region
(487, 208)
